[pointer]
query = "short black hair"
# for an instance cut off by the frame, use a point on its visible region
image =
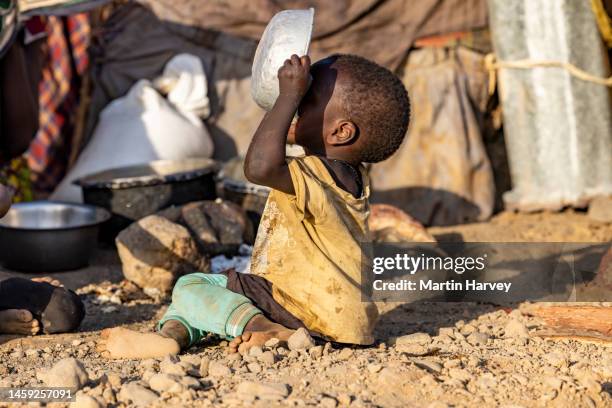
(378, 103)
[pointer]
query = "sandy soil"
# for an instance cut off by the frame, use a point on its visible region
(467, 355)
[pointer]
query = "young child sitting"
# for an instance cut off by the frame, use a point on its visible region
(306, 263)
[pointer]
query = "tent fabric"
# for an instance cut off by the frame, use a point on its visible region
(344, 26)
(135, 43)
(441, 174)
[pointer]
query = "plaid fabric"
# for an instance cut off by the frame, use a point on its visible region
(67, 60)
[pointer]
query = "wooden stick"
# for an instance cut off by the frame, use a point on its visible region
(571, 317)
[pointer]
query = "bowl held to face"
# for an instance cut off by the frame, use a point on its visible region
(287, 33)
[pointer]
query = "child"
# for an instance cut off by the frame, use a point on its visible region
(305, 268)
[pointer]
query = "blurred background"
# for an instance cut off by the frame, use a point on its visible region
(510, 103)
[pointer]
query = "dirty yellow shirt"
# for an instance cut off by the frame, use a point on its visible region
(308, 247)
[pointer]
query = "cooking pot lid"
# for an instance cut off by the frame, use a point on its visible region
(153, 173)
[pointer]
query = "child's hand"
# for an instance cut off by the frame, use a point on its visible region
(294, 77)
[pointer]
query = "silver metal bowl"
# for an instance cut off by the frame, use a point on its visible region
(287, 33)
(47, 236)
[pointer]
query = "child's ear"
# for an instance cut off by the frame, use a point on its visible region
(344, 133)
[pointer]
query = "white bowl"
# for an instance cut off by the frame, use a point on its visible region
(287, 33)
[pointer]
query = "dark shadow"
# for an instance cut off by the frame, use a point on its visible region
(96, 319)
(429, 206)
(225, 145)
(559, 276)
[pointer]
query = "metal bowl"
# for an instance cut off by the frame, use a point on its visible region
(287, 33)
(48, 236)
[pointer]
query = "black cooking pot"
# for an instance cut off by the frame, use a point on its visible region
(47, 236)
(131, 193)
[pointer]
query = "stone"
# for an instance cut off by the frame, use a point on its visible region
(487, 381)
(263, 391)
(86, 401)
(446, 331)
(316, 352)
(431, 366)
(272, 343)
(553, 382)
(459, 374)
(168, 366)
(155, 252)
(255, 351)
(416, 349)
(414, 338)
(588, 380)
(217, 369)
(478, 339)
(555, 359)
(163, 382)
(114, 380)
(191, 382)
(515, 329)
(388, 223)
(218, 226)
(109, 396)
(467, 329)
(254, 368)
(300, 340)
(328, 402)
(204, 364)
(66, 373)
(136, 394)
(345, 354)
(374, 368)
(146, 376)
(268, 358)
(600, 209)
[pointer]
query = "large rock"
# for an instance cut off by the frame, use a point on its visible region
(390, 224)
(300, 340)
(155, 252)
(251, 390)
(218, 227)
(66, 373)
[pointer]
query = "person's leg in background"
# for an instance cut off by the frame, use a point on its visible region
(29, 307)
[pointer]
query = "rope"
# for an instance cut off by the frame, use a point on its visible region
(492, 64)
(603, 21)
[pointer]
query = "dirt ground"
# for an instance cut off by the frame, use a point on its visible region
(467, 354)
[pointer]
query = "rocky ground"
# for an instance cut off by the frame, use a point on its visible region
(426, 355)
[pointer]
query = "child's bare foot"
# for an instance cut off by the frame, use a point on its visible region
(18, 321)
(118, 343)
(257, 331)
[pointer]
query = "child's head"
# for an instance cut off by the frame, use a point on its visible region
(354, 109)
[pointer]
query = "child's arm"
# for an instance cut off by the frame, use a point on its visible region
(265, 162)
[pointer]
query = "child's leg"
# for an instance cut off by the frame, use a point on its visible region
(24, 302)
(200, 304)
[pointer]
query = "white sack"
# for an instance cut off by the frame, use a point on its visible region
(143, 126)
